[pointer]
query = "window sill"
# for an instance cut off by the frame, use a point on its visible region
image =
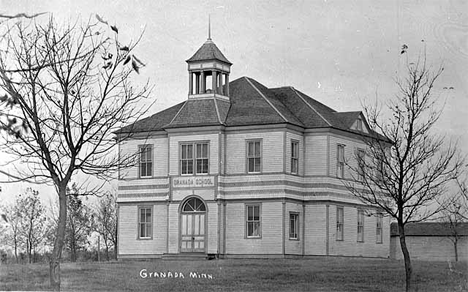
(145, 177)
(294, 239)
(144, 238)
(253, 237)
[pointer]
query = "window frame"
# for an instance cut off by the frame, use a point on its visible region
(340, 164)
(339, 223)
(253, 157)
(361, 156)
(379, 236)
(149, 223)
(295, 235)
(359, 124)
(294, 144)
(247, 221)
(140, 152)
(360, 225)
(194, 159)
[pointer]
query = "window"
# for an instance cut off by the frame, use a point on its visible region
(294, 226)
(360, 161)
(146, 160)
(339, 223)
(253, 221)
(359, 124)
(194, 158)
(294, 157)
(340, 161)
(254, 156)
(360, 226)
(144, 222)
(379, 228)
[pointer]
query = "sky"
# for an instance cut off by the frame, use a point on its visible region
(342, 53)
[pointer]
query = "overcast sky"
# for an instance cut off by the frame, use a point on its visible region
(339, 52)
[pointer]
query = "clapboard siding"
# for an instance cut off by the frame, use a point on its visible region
(271, 224)
(174, 154)
(315, 155)
(315, 230)
(159, 156)
(212, 225)
(349, 246)
(299, 138)
(173, 228)
(128, 231)
(272, 151)
(293, 246)
(430, 248)
(351, 146)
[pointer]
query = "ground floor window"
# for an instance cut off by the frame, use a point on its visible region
(339, 223)
(144, 222)
(253, 223)
(360, 226)
(379, 228)
(294, 226)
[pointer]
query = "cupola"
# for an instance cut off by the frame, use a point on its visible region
(209, 72)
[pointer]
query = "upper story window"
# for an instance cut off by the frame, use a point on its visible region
(146, 161)
(361, 163)
(360, 226)
(340, 161)
(294, 157)
(359, 124)
(144, 222)
(194, 158)
(339, 223)
(254, 156)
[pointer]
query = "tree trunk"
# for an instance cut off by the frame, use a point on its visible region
(406, 256)
(455, 245)
(59, 239)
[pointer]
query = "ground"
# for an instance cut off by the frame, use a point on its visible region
(314, 274)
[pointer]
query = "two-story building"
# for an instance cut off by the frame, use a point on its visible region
(242, 170)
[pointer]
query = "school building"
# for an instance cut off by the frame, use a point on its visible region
(242, 170)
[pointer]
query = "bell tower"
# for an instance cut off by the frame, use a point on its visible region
(208, 72)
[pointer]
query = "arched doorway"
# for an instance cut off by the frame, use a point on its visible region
(192, 226)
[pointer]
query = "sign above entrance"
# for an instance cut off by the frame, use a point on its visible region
(193, 182)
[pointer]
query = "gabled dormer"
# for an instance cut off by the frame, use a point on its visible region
(208, 72)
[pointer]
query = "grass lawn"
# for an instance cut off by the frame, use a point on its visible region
(314, 274)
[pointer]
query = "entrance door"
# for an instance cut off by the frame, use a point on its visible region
(193, 226)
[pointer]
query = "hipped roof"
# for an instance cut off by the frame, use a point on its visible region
(250, 103)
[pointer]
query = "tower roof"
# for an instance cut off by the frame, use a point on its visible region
(208, 51)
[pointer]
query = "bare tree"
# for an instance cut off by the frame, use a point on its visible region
(32, 219)
(455, 215)
(106, 222)
(25, 217)
(79, 223)
(67, 89)
(405, 167)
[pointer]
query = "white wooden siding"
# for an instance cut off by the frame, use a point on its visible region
(315, 230)
(271, 225)
(174, 141)
(129, 244)
(315, 154)
(159, 156)
(293, 246)
(300, 139)
(272, 151)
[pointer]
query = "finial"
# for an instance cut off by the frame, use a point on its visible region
(209, 27)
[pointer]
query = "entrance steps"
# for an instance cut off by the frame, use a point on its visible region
(188, 256)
